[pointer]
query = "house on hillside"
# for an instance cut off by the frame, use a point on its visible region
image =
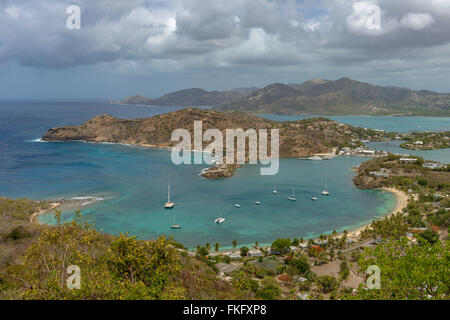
(408, 160)
(255, 253)
(226, 268)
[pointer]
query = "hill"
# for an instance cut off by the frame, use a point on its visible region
(341, 97)
(297, 138)
(190, 97)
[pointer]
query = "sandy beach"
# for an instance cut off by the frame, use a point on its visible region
(66, 205)
(402, 202)
(35, 215)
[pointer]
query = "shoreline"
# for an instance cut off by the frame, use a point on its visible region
(34, 216)
(69, 204)
(354, 233)
(402, 202)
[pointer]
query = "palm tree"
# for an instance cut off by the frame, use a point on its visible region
(234, 243)
(208, 246)
(256, 244)
(301, 240)
(216, 247)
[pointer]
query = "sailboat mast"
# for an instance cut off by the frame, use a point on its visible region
(168, 192)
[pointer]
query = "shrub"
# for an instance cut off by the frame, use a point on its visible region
(269, 289)
(202, 252)
(327, 283)
(244, 251)
(300, 264)
(281, 245)
(18, 233)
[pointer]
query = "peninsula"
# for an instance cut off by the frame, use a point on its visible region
(298, 139)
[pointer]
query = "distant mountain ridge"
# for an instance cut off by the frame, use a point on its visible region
(341, 97)
(191, 97)
(314, 97)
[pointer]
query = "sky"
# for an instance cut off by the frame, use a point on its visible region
(152, 47)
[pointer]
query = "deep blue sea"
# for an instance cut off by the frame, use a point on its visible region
(132, 181)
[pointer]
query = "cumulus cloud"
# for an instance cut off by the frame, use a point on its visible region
(137, 36)
(416, 21)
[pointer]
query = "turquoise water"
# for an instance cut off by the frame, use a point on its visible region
(137, 195)
(397, 124)
(132, 182)
(440, 155)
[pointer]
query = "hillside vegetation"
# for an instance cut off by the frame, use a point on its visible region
(297, 138)
(341, 97)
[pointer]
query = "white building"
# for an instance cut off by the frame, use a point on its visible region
(255, 253)
(408, 160)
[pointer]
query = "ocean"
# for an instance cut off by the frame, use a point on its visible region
(131, 182)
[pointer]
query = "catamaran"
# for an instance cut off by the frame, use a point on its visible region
(219, 220)
(292, 197)
(175, 226)
(169, 204)
(325, 191)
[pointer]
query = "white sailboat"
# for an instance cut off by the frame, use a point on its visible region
(257, 202)
(325, 191)
(219, 220)
(274, 190)
(314, 198)
(292, 197)
(169, 204)
(175, 226)
(237, 205)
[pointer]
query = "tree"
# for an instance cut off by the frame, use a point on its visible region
(234, 243)
(256, 244)
(295, 242)
(408, 272)
(345, 271)
(216, 246)
(147, 263)
(245, 284)
(58, 247)
(208, 246)
(300, 264)
(281, 245)
(270, 289)
(244, 251)
(428, 236)
(202, 252)
(327, 283)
